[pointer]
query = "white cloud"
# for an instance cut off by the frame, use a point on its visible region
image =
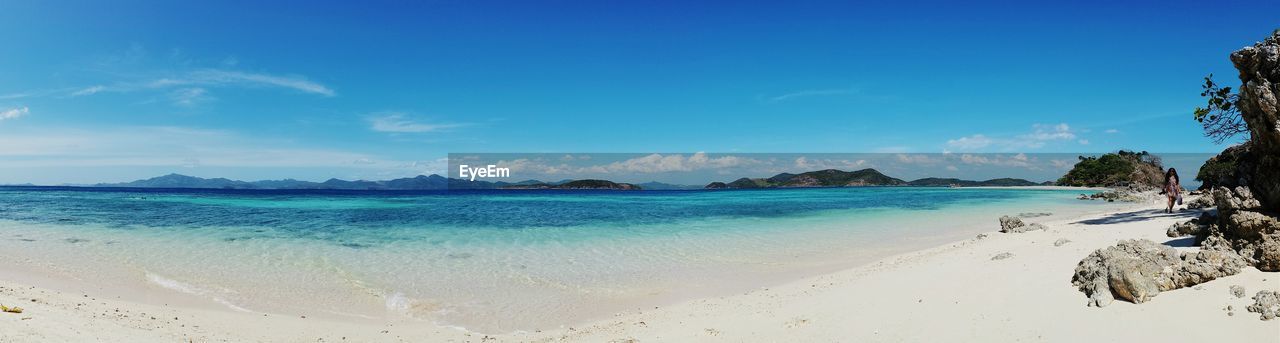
(1040, 135)
(189, 96)
(1083, 142)
(970, 143)
(1019, 160)
(647, 164)
(1112, 131)
(917, 159)
(398, 123)
(89, 90)
(13, 113)
(166, 146)
(658, 163)
(814, 92)
(803, 163)
(215, 77)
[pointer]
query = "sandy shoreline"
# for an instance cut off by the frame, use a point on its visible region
(954, 292)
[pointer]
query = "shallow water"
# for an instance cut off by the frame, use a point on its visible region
(492, 261)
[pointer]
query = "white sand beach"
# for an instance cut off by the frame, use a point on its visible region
(955, 292)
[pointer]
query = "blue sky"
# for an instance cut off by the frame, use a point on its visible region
(114, 91)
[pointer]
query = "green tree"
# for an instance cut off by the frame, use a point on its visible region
(1220, 118)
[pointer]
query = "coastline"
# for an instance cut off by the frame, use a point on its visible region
(955, 290)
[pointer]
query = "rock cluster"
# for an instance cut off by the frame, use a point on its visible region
(1198, 227)
(1247, 194)
(1129, 194)
(1200, 202)
(1241, 225)
(1014, 225)
(1137, 270)
(1259, 105)
(1266, 304)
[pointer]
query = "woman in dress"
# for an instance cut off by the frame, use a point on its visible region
(1172, 189)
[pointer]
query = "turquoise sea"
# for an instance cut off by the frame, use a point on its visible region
(491, 261)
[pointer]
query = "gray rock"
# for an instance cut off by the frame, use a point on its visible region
(1266, 304)
(1237, 290)
(1061, 242)
(1034, 214)
(1200, 202)
(1015, 225)
(1001, 256)
(1138, 270)
(1008, 224)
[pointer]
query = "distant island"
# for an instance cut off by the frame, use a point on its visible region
(859, 178)
(420, 182)
(820, 178)
(578, 184)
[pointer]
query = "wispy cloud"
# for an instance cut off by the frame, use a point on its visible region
(189, 96)
(396, 122)
(188, 84)
(13, 113)
(813, 93)
(646, 164)
(973, 142)
(89, 90)
(164, 146)
(1040, 135)
(219, 77)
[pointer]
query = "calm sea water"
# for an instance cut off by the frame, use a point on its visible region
(493, 261)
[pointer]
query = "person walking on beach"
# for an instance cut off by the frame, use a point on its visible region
(1172, 189)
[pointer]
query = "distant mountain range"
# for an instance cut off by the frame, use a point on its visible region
(820, 178)
(857, 178)
(420, 182)
(578, 184)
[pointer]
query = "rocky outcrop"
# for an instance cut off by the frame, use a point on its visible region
(1266, 304)
(1245, 179)
(1259, 67)
(1119, 194)
(1240, 226)
(1137, 270)
(1010, 224)
(1199, 227)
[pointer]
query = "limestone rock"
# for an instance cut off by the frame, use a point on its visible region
(1237, 290)
(1001, 256)
(1246, 181)
(1239, 198)
(1267, 304)
(1061, 242)
(1200, 202)
(1137, 270)
(1008, 224)
(1259, 67)
(1015, 225)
